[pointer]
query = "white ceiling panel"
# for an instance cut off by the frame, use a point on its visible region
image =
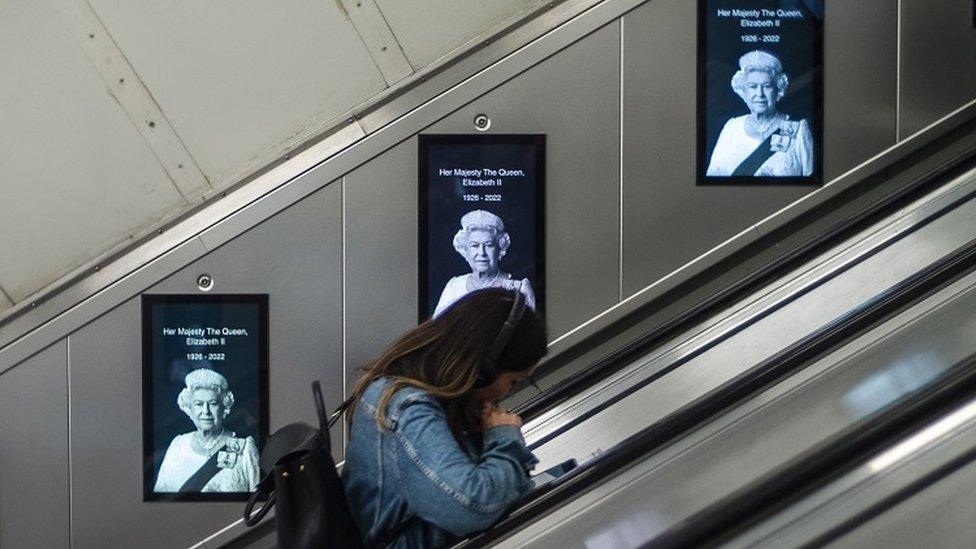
(428, 29)
(241, 82)
(77, 176)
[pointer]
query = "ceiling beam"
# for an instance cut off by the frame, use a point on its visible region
(134, 98)
(378, 37)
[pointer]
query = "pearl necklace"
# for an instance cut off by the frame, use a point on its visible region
(761, 129)
(487, 284)
(207, 446)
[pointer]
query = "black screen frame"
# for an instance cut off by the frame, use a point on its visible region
(149, 301)
(816, 179)
(424, 141)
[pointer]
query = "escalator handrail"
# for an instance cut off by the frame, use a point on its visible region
(661, 433)
(640, 345)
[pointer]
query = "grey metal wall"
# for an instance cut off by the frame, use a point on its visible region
(938, 60)
(572, 97)
(34, 466)
(667, 221)
(296, 257)
(341, 265)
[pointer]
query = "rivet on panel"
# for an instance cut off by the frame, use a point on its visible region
(301, 467)
(152, 124)
(285, 474)
(121, 80)
(96, 268)
(205, 282)
(382, 48)
(91, 36)
(179, 166)
(33, 304)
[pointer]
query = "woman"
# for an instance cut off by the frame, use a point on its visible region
(211, 458)
(482, 242)
(430, 455)
(765, 142)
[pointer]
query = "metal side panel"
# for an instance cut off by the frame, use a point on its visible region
(917, 463)
(380, 255)
(581, 179)
(572, 97)
(659, 113)
(34, 463)
(938, 52)
(866, 375)
(106, 446)
(776, 293)
(296, 258)
(942, 515)
(667, 220)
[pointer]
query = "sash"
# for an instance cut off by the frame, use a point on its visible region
(751, 164)
(203, 475)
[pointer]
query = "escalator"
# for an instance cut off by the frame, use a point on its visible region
(679, 411)
(652, 464)
(915, 491)
(808, 428)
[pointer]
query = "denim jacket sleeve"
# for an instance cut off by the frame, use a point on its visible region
(446, 487)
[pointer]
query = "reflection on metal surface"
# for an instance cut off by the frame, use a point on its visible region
(924, 438)
(900, 378)
(627, 531)
(838, 281)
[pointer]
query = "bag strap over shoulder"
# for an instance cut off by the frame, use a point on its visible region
(339, 411)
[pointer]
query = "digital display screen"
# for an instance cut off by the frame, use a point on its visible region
(481, 217)
(760, 92)
(204, 395)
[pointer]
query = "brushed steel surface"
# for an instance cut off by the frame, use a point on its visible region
(860, 79)
(772, 428)
(823, 511)
(732, 357)
(34, 461)
(772, 296)
(380, 255)
(938, 52)
(939, 516)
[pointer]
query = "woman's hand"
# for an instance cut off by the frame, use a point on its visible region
(493, 415)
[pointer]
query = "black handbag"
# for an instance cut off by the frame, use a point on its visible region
(302, 483)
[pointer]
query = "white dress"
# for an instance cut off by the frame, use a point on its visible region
(735, 145)
(457, 287)
(181, 462)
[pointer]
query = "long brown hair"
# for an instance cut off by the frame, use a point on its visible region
(444, 355)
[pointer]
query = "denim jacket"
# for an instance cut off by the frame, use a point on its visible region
(416, 468)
